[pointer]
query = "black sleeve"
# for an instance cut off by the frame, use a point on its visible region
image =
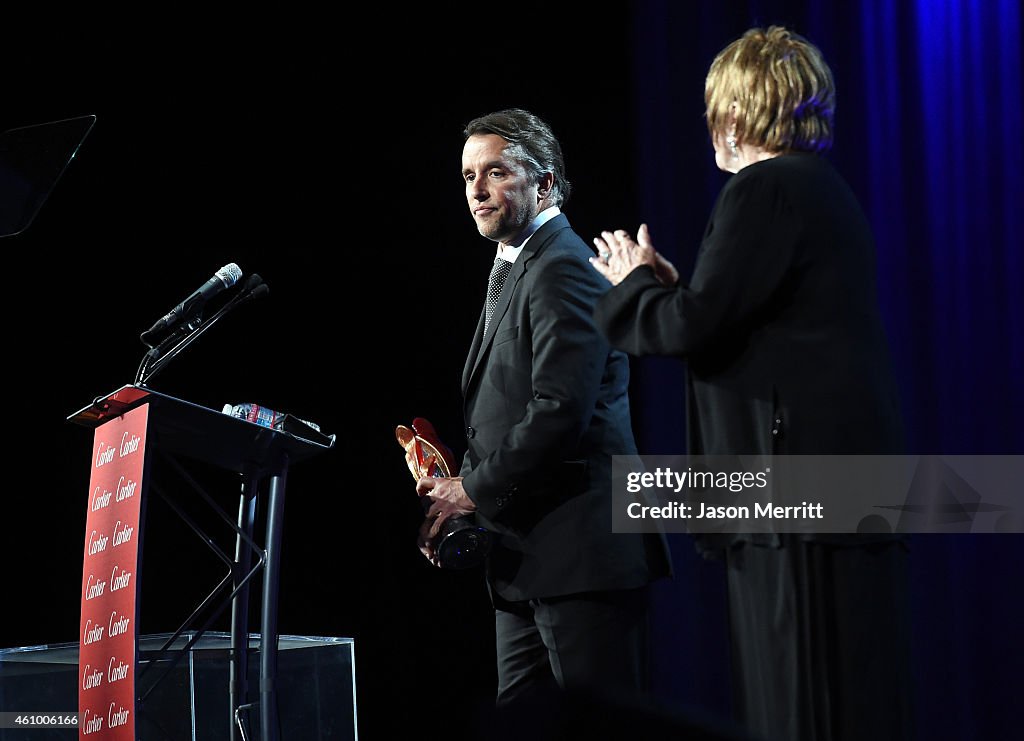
(748, 250)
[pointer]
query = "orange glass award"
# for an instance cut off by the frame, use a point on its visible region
(462, 543)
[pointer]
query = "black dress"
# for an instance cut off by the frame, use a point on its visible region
(787, 355)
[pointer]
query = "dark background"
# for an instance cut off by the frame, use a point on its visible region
(324, 155)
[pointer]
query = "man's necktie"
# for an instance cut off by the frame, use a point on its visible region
(499, 272)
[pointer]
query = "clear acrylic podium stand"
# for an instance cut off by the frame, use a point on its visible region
(315, 692)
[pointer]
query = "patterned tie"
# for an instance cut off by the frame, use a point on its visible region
(499, 272)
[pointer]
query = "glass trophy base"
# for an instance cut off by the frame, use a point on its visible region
(463, 544)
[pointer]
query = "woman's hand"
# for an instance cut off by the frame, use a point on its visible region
(619, 255)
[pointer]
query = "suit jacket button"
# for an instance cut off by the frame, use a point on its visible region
(470, 432)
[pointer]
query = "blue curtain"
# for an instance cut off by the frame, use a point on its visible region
(929, 134)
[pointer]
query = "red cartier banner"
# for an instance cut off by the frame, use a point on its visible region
(108, 638)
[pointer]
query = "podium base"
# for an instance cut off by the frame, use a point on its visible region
(315, 688)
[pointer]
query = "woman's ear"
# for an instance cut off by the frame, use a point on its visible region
(730, 125)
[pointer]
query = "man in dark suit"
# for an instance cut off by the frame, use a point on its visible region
(546, 408)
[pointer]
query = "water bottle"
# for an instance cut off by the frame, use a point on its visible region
(262, 416)
(255, 413)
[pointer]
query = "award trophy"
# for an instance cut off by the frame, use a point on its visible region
(462, 543)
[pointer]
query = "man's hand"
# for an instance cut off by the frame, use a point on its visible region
(446, 499)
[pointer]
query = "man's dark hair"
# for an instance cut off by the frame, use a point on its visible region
(532, 143)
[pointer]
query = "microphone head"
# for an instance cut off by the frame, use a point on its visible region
(229, 274)
(252, 281)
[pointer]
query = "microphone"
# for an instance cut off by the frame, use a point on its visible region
(253, 282)
(224, 278)
(252, 290)
(258, 292)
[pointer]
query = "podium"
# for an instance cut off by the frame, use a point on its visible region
(140, 432)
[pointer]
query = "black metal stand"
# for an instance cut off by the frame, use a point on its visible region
(268, 619)
(260, 455)
(240, 607)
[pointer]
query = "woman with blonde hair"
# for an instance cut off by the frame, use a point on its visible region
(786, 353)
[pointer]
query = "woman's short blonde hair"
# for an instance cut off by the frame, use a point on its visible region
(782, 90)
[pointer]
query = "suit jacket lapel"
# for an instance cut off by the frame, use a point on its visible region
(474, 351)
(481, 345)
(504, 299)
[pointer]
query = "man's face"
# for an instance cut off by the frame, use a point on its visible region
(502, 196)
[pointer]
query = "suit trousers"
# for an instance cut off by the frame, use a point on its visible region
(593, 643)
